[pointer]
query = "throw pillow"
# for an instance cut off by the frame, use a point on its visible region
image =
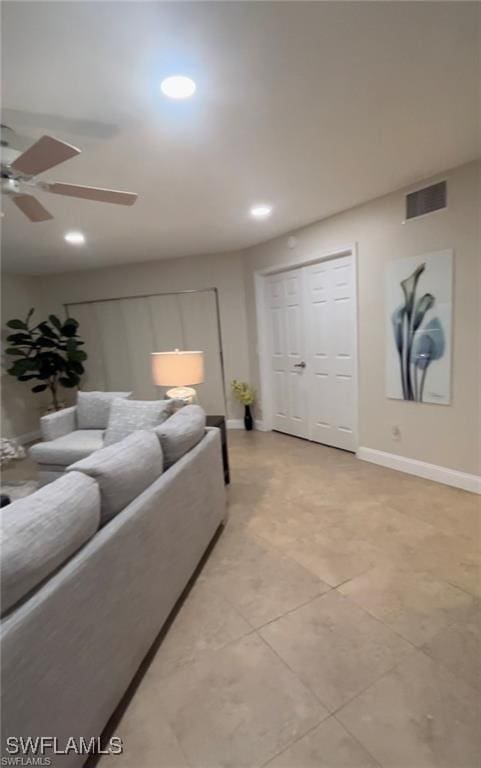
(181, 432)
(93, 408)
(123, 470)
(41, 531)
(127, 416)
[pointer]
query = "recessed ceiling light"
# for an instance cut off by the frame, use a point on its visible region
(178, 87)
(261, 211)
(75, 238)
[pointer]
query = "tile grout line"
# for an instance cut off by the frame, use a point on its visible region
(365, 688)
(295, 741)
(357, 740)
(296, 608)
(299, 680)
(389, 626)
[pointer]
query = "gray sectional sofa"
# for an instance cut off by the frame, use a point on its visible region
(92, 565)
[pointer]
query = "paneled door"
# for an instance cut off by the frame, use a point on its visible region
(312, 341)
(331, 347)
(285, 301)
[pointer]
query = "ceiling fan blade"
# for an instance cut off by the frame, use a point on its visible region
(92, 193)
(44, 154)
(32, 209)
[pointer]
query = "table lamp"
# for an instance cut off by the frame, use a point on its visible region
(179, 370)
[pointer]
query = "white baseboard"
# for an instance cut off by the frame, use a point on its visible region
(239, 424)
(28, 437)
(234, 423)
(422, 469)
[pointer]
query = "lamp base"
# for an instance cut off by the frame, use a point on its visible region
(187, 394)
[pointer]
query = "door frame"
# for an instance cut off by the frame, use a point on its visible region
(265, 391)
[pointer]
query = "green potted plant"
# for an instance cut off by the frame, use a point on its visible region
(245, 395)
(48, 352)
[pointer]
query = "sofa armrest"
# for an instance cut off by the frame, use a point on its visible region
(60, 423)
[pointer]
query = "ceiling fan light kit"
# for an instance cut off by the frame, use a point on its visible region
(19, 171)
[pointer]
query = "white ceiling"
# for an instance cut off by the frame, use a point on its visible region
(313, 107)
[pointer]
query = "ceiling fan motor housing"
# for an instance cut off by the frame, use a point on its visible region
(10, 186)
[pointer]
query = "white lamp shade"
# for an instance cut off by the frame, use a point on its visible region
(177, 368)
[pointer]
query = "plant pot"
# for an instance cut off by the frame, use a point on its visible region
(248, 420)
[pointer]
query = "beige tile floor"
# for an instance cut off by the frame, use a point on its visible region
(336, 624)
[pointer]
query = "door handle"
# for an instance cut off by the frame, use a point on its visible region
(300, 365)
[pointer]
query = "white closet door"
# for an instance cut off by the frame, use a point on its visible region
(331, 328)
(94, 377)
(166, 322)
(286, 320)
(112, 334)
(139, 343)
(121, 334)
(201, 332)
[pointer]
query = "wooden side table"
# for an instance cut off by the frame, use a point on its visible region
(219, 421)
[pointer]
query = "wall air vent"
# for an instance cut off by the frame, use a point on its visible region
(426, 200)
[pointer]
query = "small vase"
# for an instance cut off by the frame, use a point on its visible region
(248, 421)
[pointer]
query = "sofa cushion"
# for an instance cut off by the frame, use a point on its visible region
(181, 432)
(127, 416)
(41, 531)
(93, 408)
(123, 470)
(69, 448)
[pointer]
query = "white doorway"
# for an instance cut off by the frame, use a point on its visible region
(308, 349)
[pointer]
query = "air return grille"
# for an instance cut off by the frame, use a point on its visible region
(426, 200)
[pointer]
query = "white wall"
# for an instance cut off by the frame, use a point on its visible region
(20, 408)
(222, 271)
(445, 435)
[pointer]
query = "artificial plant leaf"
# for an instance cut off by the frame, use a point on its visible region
(55, 321)
(17, 324)
(39, 388)
(30, 312)
(76, 366)
(27, 376)
(70, 326)
(19, 338)
(21, 366)
(47, 331)
(14, 351)
(45, 341)
(77, 355)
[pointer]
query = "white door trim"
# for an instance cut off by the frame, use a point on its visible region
(262, 335)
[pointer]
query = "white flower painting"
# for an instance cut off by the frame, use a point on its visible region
(418, 328)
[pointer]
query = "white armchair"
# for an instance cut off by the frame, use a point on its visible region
(59, 423)
(72, 434)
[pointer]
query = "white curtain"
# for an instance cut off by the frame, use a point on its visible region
(119, 336)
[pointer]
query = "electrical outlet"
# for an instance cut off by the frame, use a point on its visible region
(395, 433)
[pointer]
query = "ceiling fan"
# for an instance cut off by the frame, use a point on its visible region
(21, 166)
